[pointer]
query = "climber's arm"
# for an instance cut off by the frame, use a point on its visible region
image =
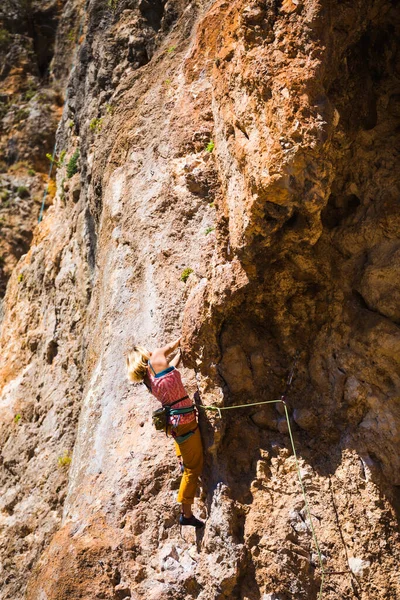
(159, 356)
(176, 360)
(166, 350)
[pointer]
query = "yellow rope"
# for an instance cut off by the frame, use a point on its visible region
(219, 409)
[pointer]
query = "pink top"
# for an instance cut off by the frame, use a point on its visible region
(167, 389)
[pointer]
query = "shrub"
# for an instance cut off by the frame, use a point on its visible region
(4, 38)
(209, 230)
(52, 159)
(96, 124)
(29, 94)
(62, 156)
(171, 49)
(31, 172)
(22, 191)
(65, 460)
(210, 146)
(4, 108)
(21, 115)
(185, 274)
(72, 166)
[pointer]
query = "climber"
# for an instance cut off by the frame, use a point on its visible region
(163, 380)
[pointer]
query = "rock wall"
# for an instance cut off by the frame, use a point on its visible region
(37, 40)
(256, 144)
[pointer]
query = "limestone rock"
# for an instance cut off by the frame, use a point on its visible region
(380, 285)
(252, 144)
(359, 566)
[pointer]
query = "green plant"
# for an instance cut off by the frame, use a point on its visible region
(4, 194)
(4, 38)
(71, 35)
(72, 166)
(22, 191)
(52, 159)
(171, 49)
(17, 418)
(31, 171)
(64, 460)
(29, 94)
(71, 124)
(210, 146)
(211, 204)
(4, 108)
(21, 115)
(96, 124)
(209, 230)
(62, 156)
(20, 277)
(109, 109)
(185, 274)
(167, 82)
(112, 4)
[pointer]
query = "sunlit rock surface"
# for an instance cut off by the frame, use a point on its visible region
(254, 143)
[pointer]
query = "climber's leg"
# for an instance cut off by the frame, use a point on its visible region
(191, 453)
(192, 457)
(179, 457)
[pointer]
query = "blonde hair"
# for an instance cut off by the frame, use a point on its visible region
(136, 363)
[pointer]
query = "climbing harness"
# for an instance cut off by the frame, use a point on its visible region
(179, 439)
(282, 400)
(161, 416)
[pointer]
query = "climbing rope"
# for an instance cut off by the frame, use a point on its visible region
(282, 400)
(65, 102)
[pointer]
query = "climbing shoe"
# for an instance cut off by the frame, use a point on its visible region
(190, 521)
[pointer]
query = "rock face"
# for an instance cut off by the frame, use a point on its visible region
(36, 44)
(253, 145)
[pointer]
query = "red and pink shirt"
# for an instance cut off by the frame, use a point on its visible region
(167, 387)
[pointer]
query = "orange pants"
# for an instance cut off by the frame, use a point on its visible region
(191, 452)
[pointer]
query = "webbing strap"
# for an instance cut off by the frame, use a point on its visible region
(175, 402)
(182, 411)
(179, 439)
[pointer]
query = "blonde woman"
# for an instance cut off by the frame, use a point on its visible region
(163, 380)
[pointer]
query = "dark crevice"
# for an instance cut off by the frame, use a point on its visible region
(51, 351)
(92, 239)
(296, 222)
(338, 209)
(153, 12)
